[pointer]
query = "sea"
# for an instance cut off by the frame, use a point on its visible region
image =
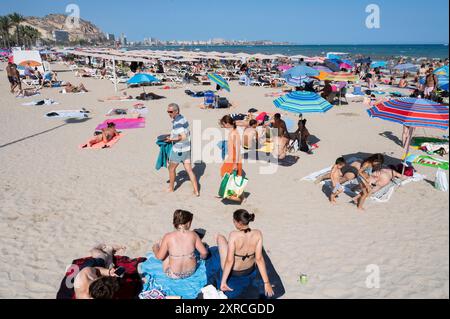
(413, 51)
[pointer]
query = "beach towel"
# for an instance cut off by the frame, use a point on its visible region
(22, 96)
(164, 152)
(102, 144)
(417, 141)
(40, 102)
(244, 287)
(124, 123)
(155, 278)
(428, 161)
(81, 113)
(131, 283)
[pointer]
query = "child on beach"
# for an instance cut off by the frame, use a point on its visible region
(336, 174)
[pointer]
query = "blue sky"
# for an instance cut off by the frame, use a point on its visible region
(298, 21)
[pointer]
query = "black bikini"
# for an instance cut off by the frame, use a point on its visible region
(245, 272)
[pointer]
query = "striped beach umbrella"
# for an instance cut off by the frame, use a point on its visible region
(303, 102)
(297, 81)
(412, 112)
(219, 80)
(300, 71)
(322, 68)
(342, 77)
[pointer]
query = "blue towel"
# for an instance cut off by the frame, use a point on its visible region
(164, 153)
(155, 278)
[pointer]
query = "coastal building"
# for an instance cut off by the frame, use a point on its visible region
(110, 37)
(60, 36)
(123, 39)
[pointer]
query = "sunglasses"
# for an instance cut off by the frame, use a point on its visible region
(170, 112)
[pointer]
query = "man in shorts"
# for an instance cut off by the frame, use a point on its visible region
(431, 83)
(181, 148)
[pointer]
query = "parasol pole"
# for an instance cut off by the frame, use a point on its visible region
(114, 74)
(408, 144)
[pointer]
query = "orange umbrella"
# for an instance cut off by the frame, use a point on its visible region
(322, 76)
(30, 63)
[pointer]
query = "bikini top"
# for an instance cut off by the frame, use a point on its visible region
(247, 230)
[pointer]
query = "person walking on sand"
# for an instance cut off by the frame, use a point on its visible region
(181, 148)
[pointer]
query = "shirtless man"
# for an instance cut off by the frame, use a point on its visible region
(97, 279)
(336, 174)
(431, 83)
(250, 136)
(13, 77)
(106, 135)
(70, 88)
(123, 97)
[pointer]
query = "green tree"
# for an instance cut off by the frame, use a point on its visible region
(5, 25)
(16, 20)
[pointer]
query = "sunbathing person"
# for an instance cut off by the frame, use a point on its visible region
(123, 97)
(242, 252)
(403, 82)
(384, 176)
(70, 88)
(149, 96)
(26, 93)
(177, 249)
(105, 136)
(97, 278)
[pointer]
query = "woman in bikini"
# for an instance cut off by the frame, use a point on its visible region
(242, 252)
(177, 249)
(105, 136)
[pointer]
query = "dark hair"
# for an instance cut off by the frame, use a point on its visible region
(277, 116)
(181, 217)
(104, 287)
(111, 124)
(252, 122)
(227, 119)
(244, 217)
(340, 160)
(375, 158)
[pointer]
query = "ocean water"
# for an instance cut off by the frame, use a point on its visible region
(439, 51)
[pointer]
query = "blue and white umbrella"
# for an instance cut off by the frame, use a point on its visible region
(300, 71)
(300, 102)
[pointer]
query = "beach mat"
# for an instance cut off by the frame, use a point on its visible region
(68, 114)
(40, 103)
(101, 145)
(124, 123)
(131, 281)
(155, 278)
(245, 287)
(429, 161)
(417, 141)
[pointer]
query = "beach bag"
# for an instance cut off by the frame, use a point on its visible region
(440, 182)
(232, 185)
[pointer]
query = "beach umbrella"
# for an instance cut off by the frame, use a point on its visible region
(219, 80)
(333, 65)
(342, 77)
(30, 63)
(405, 67)
(378, 64)
(345, 65)
(412, 113)
(297, 81)
(442, 71)
(303, 102)
(332, 56)
(142, 78)
(300, 71)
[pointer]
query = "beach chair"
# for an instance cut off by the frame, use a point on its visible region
(209, 99)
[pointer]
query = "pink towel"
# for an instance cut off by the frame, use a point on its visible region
(123, 124)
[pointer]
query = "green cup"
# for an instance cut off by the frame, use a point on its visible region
(303, 279)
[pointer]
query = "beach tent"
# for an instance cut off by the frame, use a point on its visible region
(28, 55)
(300, 102)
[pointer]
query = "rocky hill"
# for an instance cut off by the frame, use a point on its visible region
(46, 25)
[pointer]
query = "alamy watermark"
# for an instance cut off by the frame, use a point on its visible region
(373, 279)
(373, 20)
(73, 16)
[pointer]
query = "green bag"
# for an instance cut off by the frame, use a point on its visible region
(232, 185)
(223, 185)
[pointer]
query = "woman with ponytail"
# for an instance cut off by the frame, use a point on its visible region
(242, 252)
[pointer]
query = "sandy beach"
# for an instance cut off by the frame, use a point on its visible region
(57, 201)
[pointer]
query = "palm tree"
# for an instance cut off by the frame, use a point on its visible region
(5, 25)
(29, 35)
(16, 19)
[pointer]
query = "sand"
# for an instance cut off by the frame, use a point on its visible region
(57, 201)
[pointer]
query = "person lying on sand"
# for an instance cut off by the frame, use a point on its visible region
(97, 278)
(242, 252)
(123, 97)
(25, 93)
(70, 88)
(384, 176)
(105, 136)
(149, 96)
(177, 249)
